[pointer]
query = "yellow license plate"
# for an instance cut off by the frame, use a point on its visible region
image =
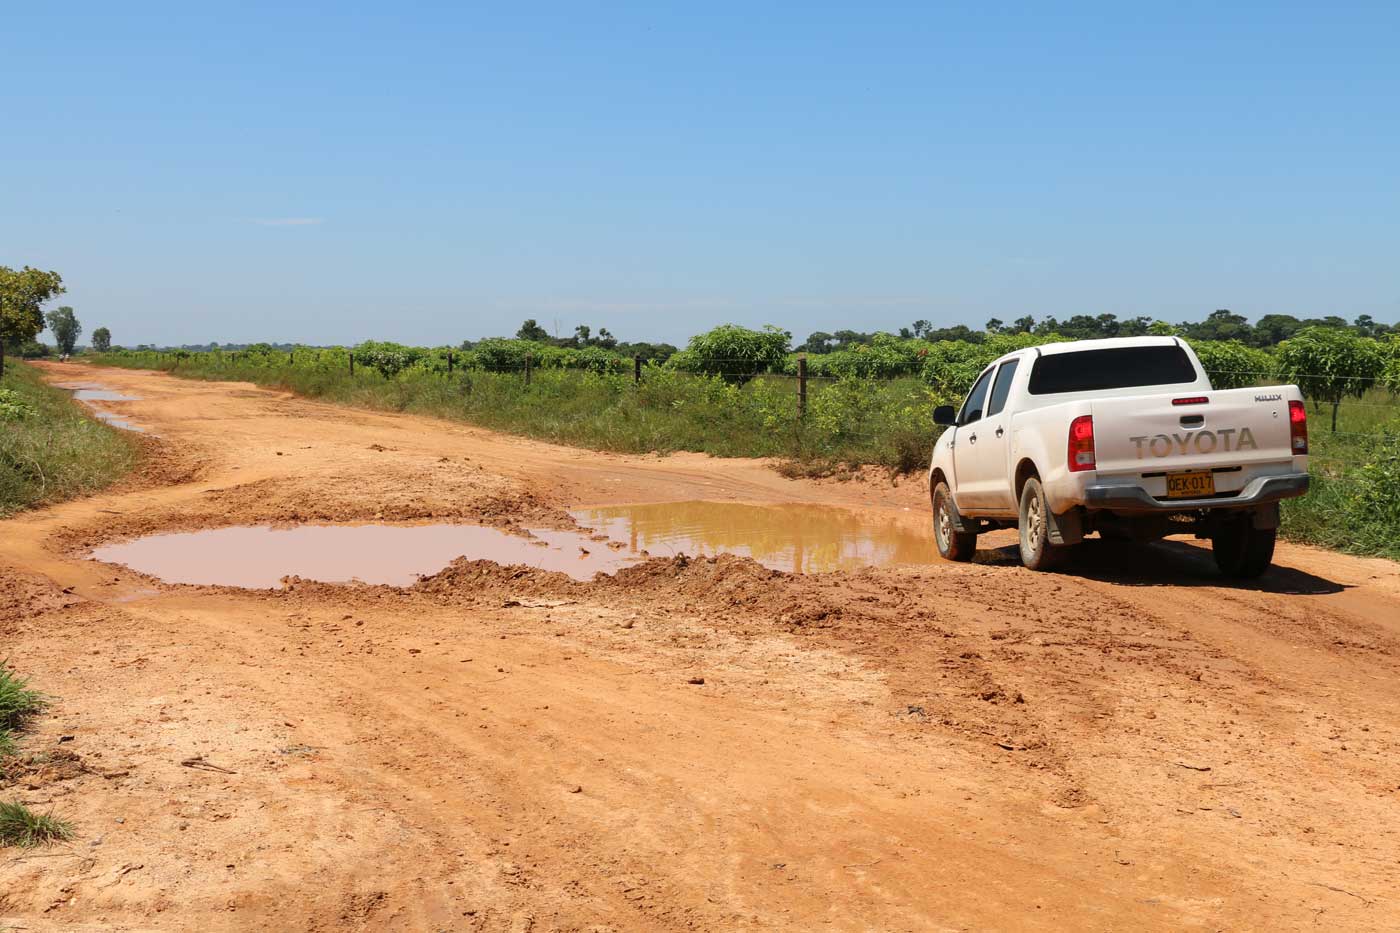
(1195, 485)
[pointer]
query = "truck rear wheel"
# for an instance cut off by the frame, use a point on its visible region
(1037, 553)
(1241, 550)
(952, 544)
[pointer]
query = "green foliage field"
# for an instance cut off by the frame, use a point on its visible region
(50, 450)
(733, 392)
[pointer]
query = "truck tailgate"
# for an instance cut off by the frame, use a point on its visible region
(1234, 427)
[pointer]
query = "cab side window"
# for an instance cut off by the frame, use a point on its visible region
(1001, 388)
(972, 408)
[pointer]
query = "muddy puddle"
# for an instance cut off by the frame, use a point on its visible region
(258, 557)
(794, 538)
(791, 537)
(90, 392)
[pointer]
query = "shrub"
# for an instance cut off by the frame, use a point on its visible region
(734, 353)
(389, 359)
(13, 406)
(1232, 365)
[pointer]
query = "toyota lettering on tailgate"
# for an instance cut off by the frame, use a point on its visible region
(1201, 442)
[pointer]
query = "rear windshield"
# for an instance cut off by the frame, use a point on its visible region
(1118, 368)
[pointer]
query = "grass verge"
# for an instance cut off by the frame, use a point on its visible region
(50, 449)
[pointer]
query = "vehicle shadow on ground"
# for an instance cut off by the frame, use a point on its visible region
(1165, 563)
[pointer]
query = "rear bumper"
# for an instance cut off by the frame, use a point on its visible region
(1259, 491)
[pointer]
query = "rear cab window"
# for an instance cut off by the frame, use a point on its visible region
(1111, 368)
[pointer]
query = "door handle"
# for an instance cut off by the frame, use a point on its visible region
(972, 438)
(1000, 432)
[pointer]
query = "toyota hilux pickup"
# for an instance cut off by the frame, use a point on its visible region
(1124, 438)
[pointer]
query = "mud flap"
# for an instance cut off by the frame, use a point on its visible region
(1265, 518)
(960, 524)
(1067, 528)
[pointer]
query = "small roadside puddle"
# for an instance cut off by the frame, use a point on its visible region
(796, 538)
(258, 557)
(89, 392)
(793, 538)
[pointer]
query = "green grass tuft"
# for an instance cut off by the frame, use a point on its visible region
(21, 826)
(17, 701)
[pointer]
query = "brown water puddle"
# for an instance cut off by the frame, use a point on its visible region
(790, 537)
(794, 538)
(395, 555)
(89, 392)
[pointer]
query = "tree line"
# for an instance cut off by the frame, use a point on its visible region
(1270, 330)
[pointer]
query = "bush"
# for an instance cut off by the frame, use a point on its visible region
(1232, 365)
(950, 367)
(13, 406)
(735, 354)
(389, 359)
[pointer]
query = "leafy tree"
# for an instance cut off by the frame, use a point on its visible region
(22, 295)
(1139, 326)
(845, 339)
(66, 329)
(736, 353)
(1223, 324)
(995, 325)
(102, 340)
(1391, 350)
(1023, 325)
(604, 339)
(1275, 328)
(532, 331)
(921, 328)
(1329, 364)
(820, 341)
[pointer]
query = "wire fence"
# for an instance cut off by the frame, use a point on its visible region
(735, 370)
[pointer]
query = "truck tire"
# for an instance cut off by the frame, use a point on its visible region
(1241, 550)
(1037, 553)
(952, 544)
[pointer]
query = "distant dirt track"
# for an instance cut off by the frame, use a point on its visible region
(1130, 745)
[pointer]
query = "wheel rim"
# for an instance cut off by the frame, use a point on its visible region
(943, 524)
(1035, 522)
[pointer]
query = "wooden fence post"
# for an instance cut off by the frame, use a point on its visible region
(636, 370)
(802, 387)
(449, 363)
(291, 357)
(527, 369)
(352, 364)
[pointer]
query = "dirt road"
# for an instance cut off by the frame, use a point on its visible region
(1131, 745)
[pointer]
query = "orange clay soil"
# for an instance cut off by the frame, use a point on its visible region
(1130, 745)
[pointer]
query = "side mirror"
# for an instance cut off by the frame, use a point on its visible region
(945, 414)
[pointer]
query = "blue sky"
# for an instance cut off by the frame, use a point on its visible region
(434, 172)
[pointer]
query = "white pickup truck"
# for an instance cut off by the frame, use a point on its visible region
(1123, 437)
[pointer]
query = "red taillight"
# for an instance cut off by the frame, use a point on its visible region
(1298, 427)
(1081, 444)
(1193, 400)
